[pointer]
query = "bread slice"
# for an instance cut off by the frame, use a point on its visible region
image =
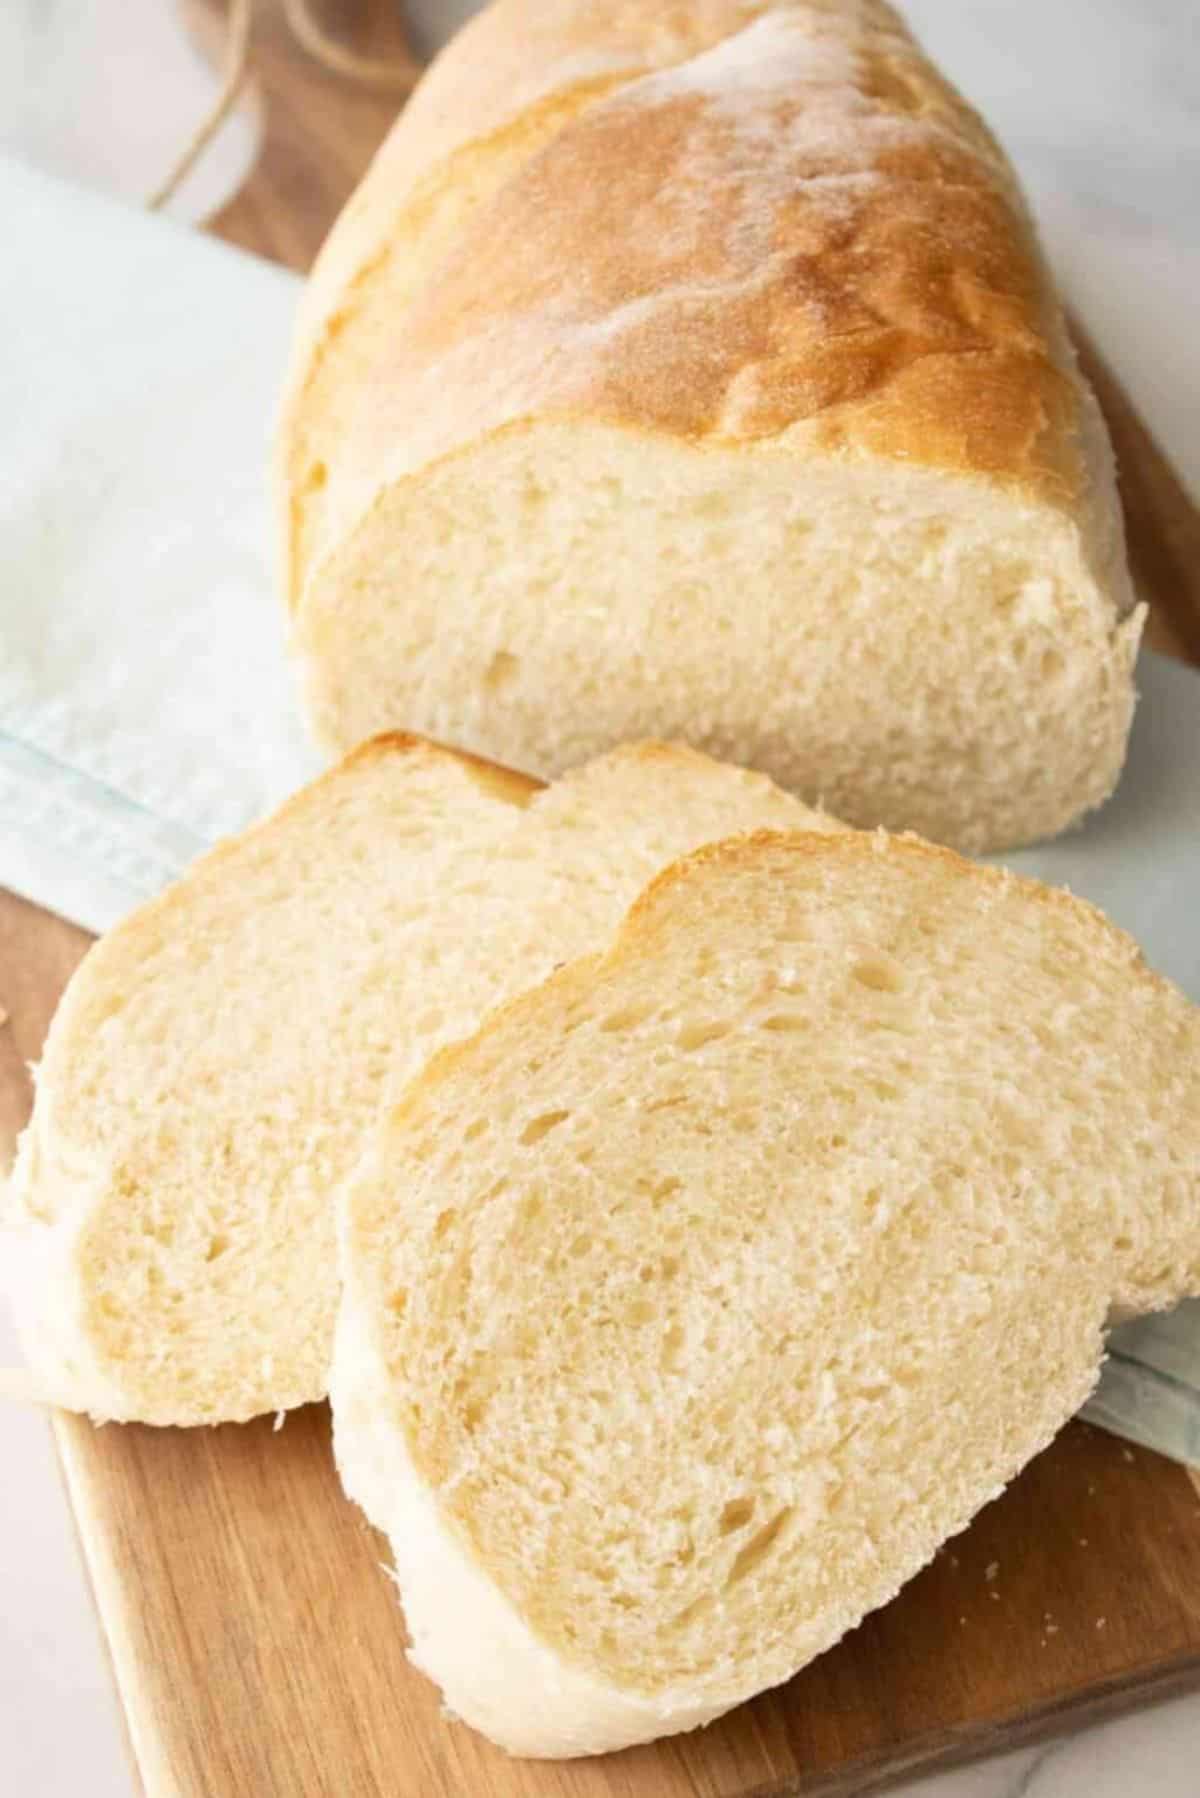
(738, 1267)
(694, 371)
(216, 1059)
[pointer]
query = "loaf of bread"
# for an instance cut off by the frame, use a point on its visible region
(694, 1301)
(692, 370)
(214, 1064)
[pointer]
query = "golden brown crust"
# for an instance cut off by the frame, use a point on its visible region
(506, 783)
(863, 846)
(800, 235)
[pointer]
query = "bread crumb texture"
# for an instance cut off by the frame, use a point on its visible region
(217, 1058)
(715, 1283)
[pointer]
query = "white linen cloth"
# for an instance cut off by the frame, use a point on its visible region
(145, 700)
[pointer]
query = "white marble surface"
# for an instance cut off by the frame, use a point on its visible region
(1099, 103)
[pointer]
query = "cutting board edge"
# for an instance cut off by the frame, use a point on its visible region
(147, 1755)
(156, 1775)
(942, 1752)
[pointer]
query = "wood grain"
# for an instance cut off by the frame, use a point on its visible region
(256, 1642)
(259, 1647)
(320, 130)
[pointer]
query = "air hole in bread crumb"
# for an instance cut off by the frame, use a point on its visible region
(784, 1022)
(694, 1036)
(475, 1128)
(869, 1393)
(541, 1126)
(759, 1546)
(315, 477)
(711, 505)
(628, 1019)
(736, 1515)
(878, 974)
(217, 1246)
(934, 536)
(691, 1612)
(500, 670)
(443, 1222)
(397, 1302)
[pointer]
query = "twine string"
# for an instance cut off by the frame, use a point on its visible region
(237, 47)
(399, 72)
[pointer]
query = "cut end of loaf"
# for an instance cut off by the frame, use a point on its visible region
(908, 648)
(739, 1267)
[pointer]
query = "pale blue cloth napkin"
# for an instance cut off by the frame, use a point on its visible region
(145, 702)
(1139, 860)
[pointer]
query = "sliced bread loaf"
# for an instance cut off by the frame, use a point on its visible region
(738, 1267)
(693, 370)
(215, 1061)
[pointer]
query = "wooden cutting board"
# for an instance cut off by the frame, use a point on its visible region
(255, 1641)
